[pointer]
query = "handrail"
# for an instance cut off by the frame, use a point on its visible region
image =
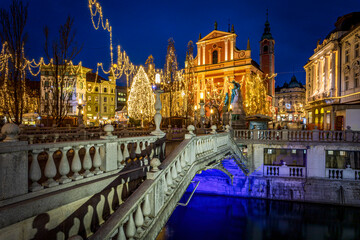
(192, 193)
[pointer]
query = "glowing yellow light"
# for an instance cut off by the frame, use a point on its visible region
(211, 111)
(230, 106)
(201, 96)
(195, 107)
(80, 101)
(157, 78)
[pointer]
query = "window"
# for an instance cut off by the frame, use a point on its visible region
(356, 52)
(89, 108)
(346, 83)
(347, 56)
(105, 109)
(96, 108)
(105, 89)
(96, 89)
(112, 90)
(215, 57)
(342, 159)
(289, 157)
(105, 99)
(89, 98)
(356, 80)
(266, 49)
(46, 83)
(112, 99)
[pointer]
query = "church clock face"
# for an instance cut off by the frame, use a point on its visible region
(242, 54)
(214, 46)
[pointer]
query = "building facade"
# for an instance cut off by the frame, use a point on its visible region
(74, 90)
(100, 99)
(332, 77)
(219, 62)
(290, 104)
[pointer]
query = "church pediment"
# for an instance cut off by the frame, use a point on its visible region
(215, 34)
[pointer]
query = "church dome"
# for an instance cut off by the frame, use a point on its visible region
(294, 83)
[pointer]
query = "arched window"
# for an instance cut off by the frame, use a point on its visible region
(266, 48)
(215, 57)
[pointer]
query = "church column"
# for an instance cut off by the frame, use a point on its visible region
(332, 74)
(199, 53)
(203, 52)
(232, 49)
(226, 49)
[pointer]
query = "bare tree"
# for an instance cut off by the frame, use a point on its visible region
(189, 79)
(12, 60)
(60, 52)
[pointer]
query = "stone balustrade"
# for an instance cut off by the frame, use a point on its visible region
(298, 135)
(34, 167)
(284, 171)
(342, 174)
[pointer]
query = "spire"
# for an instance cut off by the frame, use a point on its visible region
(232, 29)
(248, 45)
(267, 33)
(199, 36)
(215, 25)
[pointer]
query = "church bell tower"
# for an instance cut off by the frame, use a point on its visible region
(267, 56)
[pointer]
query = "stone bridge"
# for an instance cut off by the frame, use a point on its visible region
(104, 188)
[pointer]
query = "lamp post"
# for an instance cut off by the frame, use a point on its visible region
(202, 110)
(80, 115)
(211, 116)
(195, 116)
(157, 116)
(230, 115)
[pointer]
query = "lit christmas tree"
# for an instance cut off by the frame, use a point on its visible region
(141, 98)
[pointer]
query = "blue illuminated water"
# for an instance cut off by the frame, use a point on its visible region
(218, 217)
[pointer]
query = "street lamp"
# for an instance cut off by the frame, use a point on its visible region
(157, 116)
(211, 116)
(202, 110)
(80, 114)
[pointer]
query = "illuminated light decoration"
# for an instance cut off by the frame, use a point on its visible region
(141, 98)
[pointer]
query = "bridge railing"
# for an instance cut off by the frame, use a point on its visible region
(142, 209)
(34, 167)
(298, 135)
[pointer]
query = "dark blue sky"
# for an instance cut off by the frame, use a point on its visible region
(143, 27)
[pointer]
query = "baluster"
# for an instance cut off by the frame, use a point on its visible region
(143, 147)
(97, 160)
(178, 166)
(126, 151)
(290, 172)
(64, 167)
(87, 164)
(50, 169)
(76, 165)
(137, 151)
(121, 234)
(35, 172)
(120, 157)
(146, 209)
(130, 227)
(271, 170)
(267, 171)
(139, 218)
(182, 160)
(169, 180)
(174, 174)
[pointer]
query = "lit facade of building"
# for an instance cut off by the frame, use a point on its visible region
(290, 103)
(332, 77)
(74, 86)
(219, 62)
(100, 99)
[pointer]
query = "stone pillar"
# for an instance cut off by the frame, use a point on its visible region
(109, 160)
(315, 134)
(13, 164)
(349, 135)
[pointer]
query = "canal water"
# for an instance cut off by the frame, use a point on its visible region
(220, 217)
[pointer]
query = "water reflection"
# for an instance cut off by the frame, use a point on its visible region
(217, 217)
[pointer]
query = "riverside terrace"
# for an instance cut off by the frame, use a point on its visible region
(126, 188)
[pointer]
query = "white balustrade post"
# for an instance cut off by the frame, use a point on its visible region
(97, 160)
(64, 167)
(121, 233)
(146, 209)
(191, 133)
(130, 228)
(109, 160)
(138, 151)
(76, 165)
(157, 116)
(50, 169)
(126, 151)
(87, 164)
(35, 172)
(139, 218)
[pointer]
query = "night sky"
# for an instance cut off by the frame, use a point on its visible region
(143, 27)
